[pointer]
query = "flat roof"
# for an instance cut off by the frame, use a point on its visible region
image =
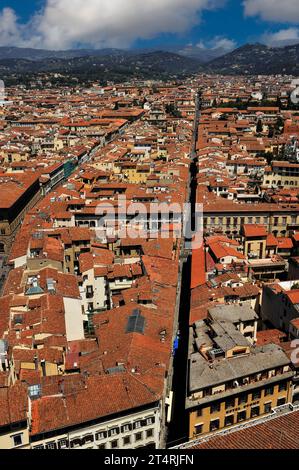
(233, 313)
(204, 374)
(12, 187)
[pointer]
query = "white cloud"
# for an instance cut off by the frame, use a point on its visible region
(284, 37)
(9, 32)
(273, 10)
(218, 42)
(101, 23)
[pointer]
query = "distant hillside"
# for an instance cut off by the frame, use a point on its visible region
(42, 54)
(121, 65)
(258, 59)
(112, 66)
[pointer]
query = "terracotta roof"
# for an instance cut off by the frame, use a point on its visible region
(277, 433)
(254, 230)
(198, 273)
(57, 412)
(13, 404)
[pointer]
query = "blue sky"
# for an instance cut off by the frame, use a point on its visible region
(129, 23)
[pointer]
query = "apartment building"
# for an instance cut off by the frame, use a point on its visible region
(128, 420)
(280, 304)
(282, 174)
(230, 380)
(18, 194)
(229, 217)
(14, 419)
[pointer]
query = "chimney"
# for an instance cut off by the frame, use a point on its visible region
(61, 386)
(43, 364)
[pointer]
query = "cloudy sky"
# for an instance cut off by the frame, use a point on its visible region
(207, 24)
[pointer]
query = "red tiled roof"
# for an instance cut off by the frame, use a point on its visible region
(271, 241)
(277, 433)
(13, 404)
(293, 295)
(56, 412)
(285, 243)
(198, 273)
(270, 336)
(251, 230)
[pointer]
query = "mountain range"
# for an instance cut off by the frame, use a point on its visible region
(258, 59)
(114, 64)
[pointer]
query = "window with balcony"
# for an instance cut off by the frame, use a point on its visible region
(229, 420)
(256, 395)
(269, 390)
(214, 425)
(255, 411)
(243, 399)
(114, 444)
(113, 432)
(150, 420)
(282, 387)
(241, 416)
(281, 401)
(51, 445)
(63, 444)
(215, 407)
(126, 428)
(149, 433)
(268, 407)
(230, 403)
(198, 429)
(138, 436)
(88, 439)
(101, 435)
(76, 443)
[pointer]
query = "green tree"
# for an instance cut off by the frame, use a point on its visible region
(279, 123)
(259, 127)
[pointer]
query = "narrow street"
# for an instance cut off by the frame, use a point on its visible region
(178, 428)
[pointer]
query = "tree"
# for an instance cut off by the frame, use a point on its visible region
(271, 132)
(173, 110)
(259, 127)
(279, 123)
